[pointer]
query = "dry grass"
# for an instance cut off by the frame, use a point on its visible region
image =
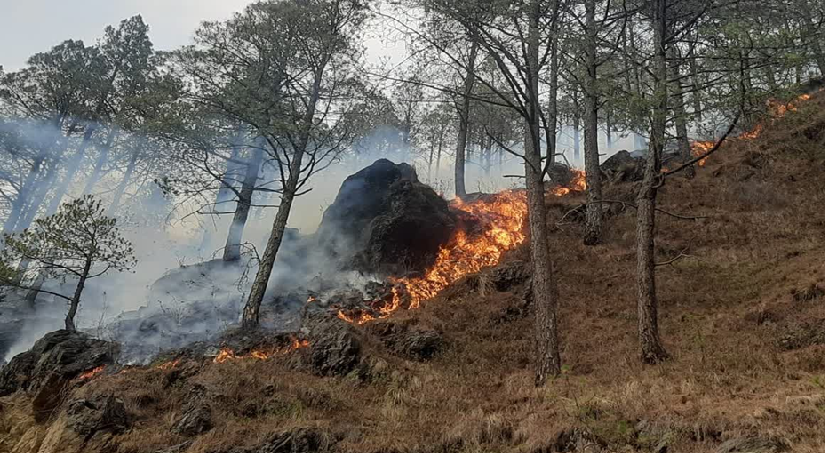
(723, 310)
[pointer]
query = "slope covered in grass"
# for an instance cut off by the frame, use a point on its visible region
(742, 314)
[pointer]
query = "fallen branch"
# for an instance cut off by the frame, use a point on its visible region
(678, 257)
(716, 146)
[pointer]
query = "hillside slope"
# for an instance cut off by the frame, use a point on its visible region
(742, 314)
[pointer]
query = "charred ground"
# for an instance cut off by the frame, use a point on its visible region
(742, 313)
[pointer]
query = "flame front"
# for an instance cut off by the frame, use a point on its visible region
(776, 109)
(228, 354)
(577, 184)
(502, 217)
(91, 373)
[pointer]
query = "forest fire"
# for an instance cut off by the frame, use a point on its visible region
(577, 184)
(699, 149)
(92, 373)
(776, 109)
(228, 354)
(501, 216)
(168, 365)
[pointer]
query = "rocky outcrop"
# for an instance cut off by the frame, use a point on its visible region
(623, 167)
(412, 342)
(89, 417)
(335, 348)
(49, 367)
(385, 222)
(196, 416)
(754, 445)
(300, 440)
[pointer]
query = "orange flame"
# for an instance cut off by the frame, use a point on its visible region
(577, 184)
(227, 354)
(776, 109)
(502, 218)
(168, 365)
(699, 149)
(92, 373)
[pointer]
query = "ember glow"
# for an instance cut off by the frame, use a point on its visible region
(502, 218)
(776, 109)
(577, 184)
(168, 365)
(91, 373)
(228, 354)
(699, 149)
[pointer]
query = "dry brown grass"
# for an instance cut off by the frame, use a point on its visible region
(723, 311)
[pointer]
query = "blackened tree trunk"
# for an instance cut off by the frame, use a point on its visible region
(232, 251)
(651, 348)
(593, 224)
(464, 124)
(544, 290)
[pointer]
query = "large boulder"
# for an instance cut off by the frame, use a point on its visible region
(623, 167)
(385, 222)
(48, 368)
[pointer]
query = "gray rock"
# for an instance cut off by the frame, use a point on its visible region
(196, 417)
(54, 361)
(623, 167)
(88, 417)
(335, 347)
(413, 342)
(301, 440)
(577, 440)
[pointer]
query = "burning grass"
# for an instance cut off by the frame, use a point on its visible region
(729, 376)
(498, 226)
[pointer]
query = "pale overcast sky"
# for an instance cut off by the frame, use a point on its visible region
(31, 26)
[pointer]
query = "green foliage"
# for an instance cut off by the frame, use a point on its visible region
(79, 240)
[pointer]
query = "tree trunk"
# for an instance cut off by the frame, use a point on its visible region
(696, 93)
(464, 124)
(593, 224)
(251, 312)
(552, 98)
(430, 161)
(608, 130)
(71, 171)
(651, 348)
(43, 188)
(438, 156)
(75, 302)
(232, 251)
(252, 309)
(680, 117)
(127, 177)
(544, 291)
(770, 78)
(102, 159)
(22, 198)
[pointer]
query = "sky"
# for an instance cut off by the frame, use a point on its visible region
(31, 26)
